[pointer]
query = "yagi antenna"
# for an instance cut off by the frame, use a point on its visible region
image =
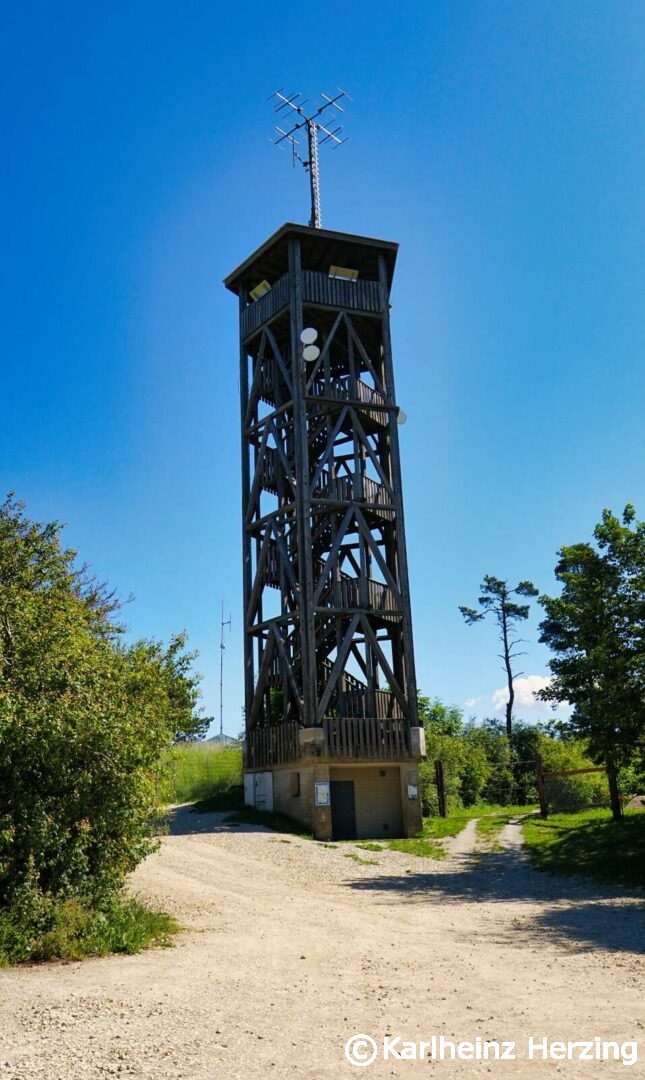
(319, 130)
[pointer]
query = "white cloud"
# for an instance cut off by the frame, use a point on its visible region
(472, 701)
(525, 691)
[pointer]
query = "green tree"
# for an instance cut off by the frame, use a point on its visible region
(578, 791)
(596, 628)
(175, 668)
(84, 720)
(466, 766)
(524, 743)
(490, 740)
(439, 718)
(496, 599)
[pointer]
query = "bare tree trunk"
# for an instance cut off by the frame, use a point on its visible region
(509, 674)
(614, 792)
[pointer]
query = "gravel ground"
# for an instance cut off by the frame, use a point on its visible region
(291, 947)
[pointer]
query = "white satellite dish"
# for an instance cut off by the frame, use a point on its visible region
(401, 417)
(311, 352)
(308, 335)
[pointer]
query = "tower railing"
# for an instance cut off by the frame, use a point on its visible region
(359, 295)
(345, 738)
(272, 745)
(365, 737)
(346, 388)
(267, 307)
(317, 288)
(347, 593)
(355, 488)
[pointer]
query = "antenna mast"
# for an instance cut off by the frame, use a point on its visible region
(319, 131)
(221, 670)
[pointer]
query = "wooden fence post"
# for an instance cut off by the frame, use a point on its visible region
(541, 785)
(441, 788)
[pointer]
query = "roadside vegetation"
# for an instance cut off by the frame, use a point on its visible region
(490, 821)
(85, 718)
(421, 846)
(591, 843)
(201, 771)
(484, 769)
(490, 825)
(71, 930)
(355, 857)
(596, 631)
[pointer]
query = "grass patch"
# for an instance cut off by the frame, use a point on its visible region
(426, 849)
(370, 845)
(358, 859)
(67, 930)
(589, 843)
(490, 826)
(270, 819)
(198, 771)
(436, 828)
(491, 819)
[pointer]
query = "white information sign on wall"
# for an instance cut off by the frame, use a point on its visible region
(322, 793)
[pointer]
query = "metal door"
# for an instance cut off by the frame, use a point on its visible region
(343, 810)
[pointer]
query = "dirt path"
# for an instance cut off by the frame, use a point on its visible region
(292, 948)
(465, 842)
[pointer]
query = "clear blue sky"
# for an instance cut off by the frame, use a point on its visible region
(500, 143)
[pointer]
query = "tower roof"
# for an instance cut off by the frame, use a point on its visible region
(320, 249)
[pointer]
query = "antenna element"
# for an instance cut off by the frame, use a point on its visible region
(319, 131)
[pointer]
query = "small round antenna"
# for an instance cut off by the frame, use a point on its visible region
(401, 417)
(308, 335)
(310, 352)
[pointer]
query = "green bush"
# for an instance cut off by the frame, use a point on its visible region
(69, 930)
(571, 793)
(497, 783)
(84, 720)
(482, 766)
(476, 759)
(464, 764)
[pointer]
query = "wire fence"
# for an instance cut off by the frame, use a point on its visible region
(446, 789)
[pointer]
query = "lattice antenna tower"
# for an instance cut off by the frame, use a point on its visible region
(319, 130)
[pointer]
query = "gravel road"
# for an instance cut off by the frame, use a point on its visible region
(291, 947)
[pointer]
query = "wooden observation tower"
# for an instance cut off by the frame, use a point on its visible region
(332, 735)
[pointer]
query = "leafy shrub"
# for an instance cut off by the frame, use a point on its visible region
(497, 784)
(84, 719)
(69, 930)
(476, 759)
(572, 793)
(482, 766)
